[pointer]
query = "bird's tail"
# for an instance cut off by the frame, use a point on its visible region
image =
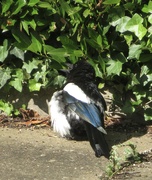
(97, 141)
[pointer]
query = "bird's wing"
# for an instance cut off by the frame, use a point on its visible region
(87, 111)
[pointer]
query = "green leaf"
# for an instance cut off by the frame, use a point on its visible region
(23, 41)
(25, 26)
(18, 6)
(102, 65)
(68, 43)
(115, 64)
(18, 53)
(86, 13)
(93, 43)
(68, 9)
(147, 8)
(150, 19)
(4, 51)
(27, 23)
(134, 80)
(6, 107)
(34, 85)
(115, 15)
(45, 5)
(111, 1)
(17, 84)
(135, 25)
(17, 80)
(99, 40)
(31, 65)
(36, 45)
(121, 27)
(135, 20)
(149, 76)
(148, 114)
(4, 76)
(59, 80)
(6, 5)
(135, 51)
(114, 67)
(57, 54)
(145, 57)
(32, 2)
(128, 108)
(128, 38)
(144, 70)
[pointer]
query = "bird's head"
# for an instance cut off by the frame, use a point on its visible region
(81, 69)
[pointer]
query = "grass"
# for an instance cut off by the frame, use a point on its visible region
(121, 156)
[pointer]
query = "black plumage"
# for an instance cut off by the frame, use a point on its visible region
(83, 106)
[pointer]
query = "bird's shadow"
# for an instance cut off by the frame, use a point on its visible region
(125, 130)
(118, 133)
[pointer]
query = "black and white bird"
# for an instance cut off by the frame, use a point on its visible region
(80, 108)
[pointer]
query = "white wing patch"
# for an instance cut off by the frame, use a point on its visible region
(76, 92)
(59, 120)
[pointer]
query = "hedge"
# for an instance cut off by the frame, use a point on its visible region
(38, 37)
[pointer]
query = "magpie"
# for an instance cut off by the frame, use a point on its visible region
(79, 107)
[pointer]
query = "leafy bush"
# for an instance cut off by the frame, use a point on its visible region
(38, 37)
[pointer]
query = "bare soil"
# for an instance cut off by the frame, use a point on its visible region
(37, 153)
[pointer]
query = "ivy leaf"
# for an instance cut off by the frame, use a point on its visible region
(115, 64)
(145, 57)
(4, 76)
(148, 114)
(68, 43)
(45, 5)
(6, 5)
(135, 51)
(135, 25)
(150, 19)
(111, 1)
(36, 45)
(23, 41)
(28, 23)
(18, 53)
(128, 38)
(128, 108)
(17, 80)
(86, 13)
(57, 54)
(115, 16)
(17, 84)
(31, 65)
(18, 6)
(114, 67)
(147, 8)
(34, 85)
(149, 76)
(144, 70)
(67, 8)
(121, 27)
(134, 80)
(6, 107)
(58, 81)
(3, 51)
(32, 2)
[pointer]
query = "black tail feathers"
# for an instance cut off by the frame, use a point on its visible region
(97, 141)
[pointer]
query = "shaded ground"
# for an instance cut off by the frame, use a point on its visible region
(34, 153)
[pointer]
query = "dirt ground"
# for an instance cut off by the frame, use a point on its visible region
(39, 154)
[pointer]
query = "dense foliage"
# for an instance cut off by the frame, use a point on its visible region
(38, 37)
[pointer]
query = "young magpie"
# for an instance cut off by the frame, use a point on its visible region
(80, 107)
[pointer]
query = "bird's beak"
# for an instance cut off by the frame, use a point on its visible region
(65, 72)
(69, 65)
